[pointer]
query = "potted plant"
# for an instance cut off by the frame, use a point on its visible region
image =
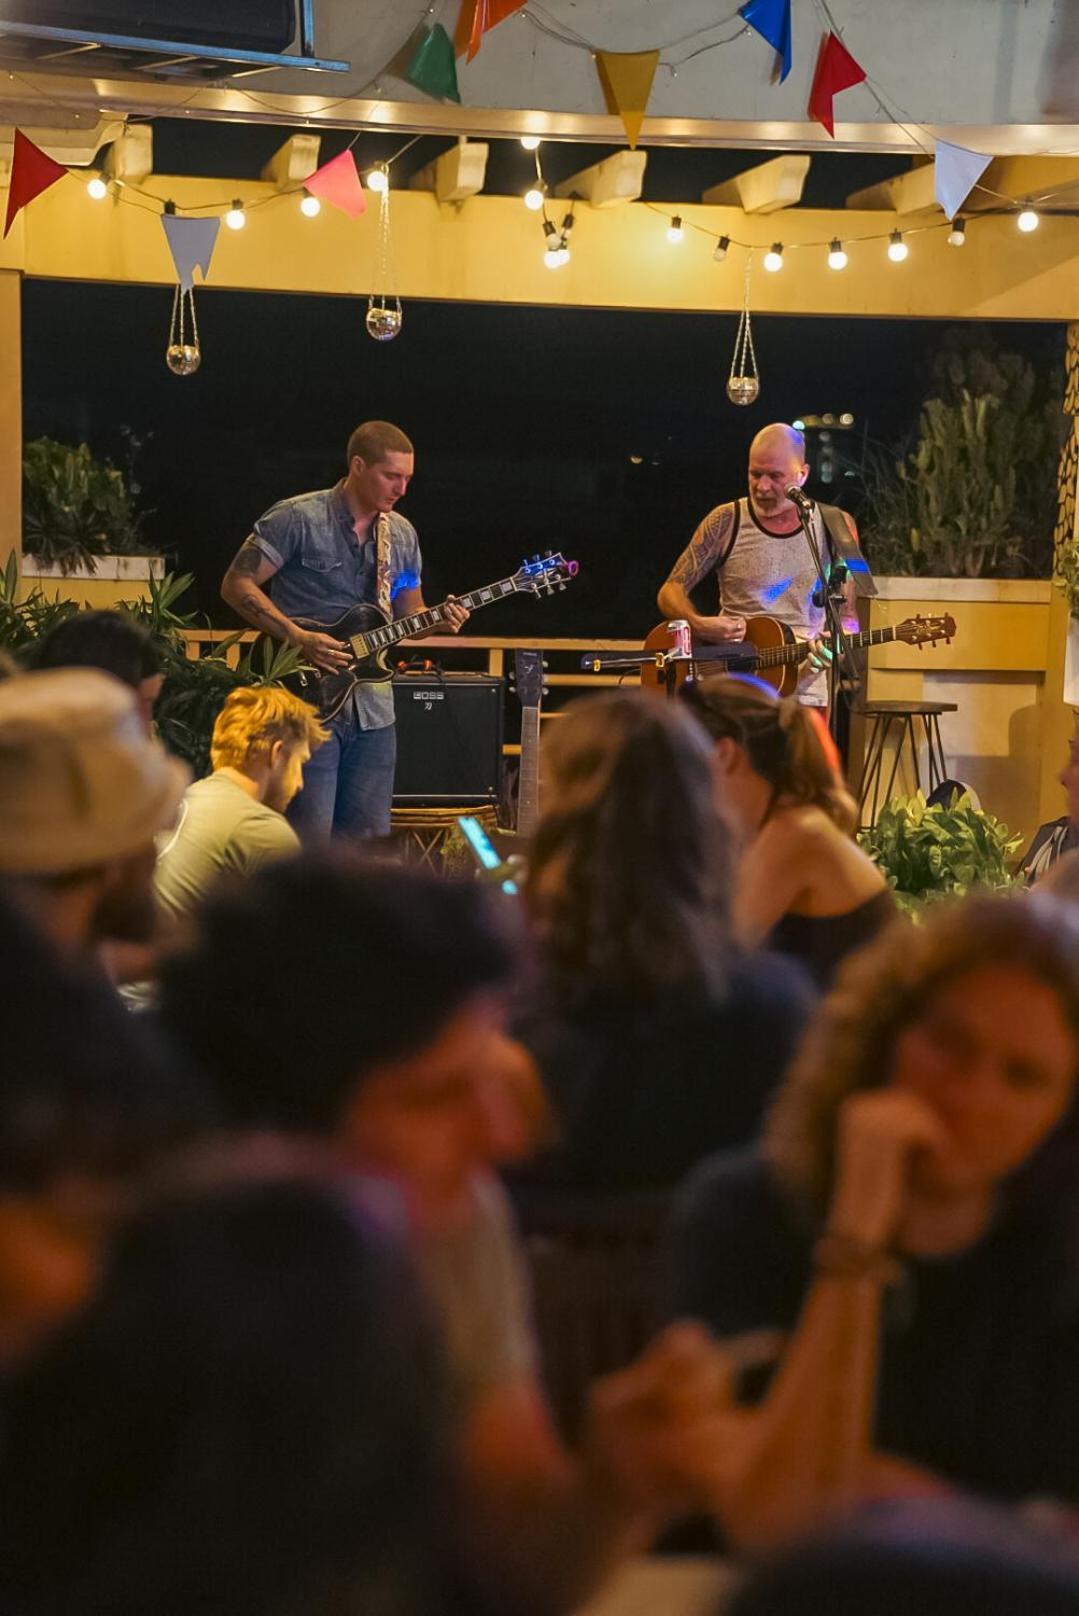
(929, 853)
(81, 522)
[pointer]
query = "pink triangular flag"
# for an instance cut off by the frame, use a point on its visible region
(32, 171)
(338, 183)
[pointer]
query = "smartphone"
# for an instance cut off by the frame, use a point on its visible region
(483, 850)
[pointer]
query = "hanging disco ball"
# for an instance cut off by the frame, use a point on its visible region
(383, 324)
(743, 389)
(183, 358)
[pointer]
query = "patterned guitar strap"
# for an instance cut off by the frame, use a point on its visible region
(383, 582)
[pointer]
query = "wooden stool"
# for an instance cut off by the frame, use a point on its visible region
(423, 832)
(905, 715)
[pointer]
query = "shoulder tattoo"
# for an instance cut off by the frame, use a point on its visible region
(704, 549)
(247, 560)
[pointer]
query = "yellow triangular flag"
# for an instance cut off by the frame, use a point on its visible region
(626, 78)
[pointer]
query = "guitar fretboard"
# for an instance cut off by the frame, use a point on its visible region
(779, 654)
(377, 639)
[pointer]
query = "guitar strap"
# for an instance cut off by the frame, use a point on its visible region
(383, 581)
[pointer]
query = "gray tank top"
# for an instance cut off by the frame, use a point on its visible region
(773, 575)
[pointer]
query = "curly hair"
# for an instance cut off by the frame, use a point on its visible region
(786, 743)
(850, 1044)
(628, 879)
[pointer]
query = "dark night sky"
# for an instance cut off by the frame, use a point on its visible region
(524, 419)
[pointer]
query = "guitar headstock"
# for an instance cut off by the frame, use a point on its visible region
(544, 574)
(926, 630)
(528, 676)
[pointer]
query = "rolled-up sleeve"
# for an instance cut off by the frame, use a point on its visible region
(277, 533)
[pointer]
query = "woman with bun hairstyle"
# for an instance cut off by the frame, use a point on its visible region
(802, 887)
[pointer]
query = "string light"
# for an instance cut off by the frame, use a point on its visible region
(773, 260)
(236, 218)
(563, 251)
(722, 248)
(551, 255)
(837, 258)
(310, 206)
(97, 189)
(530, 142)
(675, 233)
(534, 197)
(1028, 220)
(378, 180)
(957, 235)
(897, 247)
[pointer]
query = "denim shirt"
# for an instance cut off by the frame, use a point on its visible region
(324, 570)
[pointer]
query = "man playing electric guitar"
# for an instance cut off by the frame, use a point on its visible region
(324, 552)
(762, 560)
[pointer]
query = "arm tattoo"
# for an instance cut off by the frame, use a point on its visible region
(704, 549)
(247, 560)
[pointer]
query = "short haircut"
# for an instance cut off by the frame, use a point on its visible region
(252, 719)
(319, 970)
(112, 641)
(374, 440)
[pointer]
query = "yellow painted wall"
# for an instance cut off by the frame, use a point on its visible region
(10, 412)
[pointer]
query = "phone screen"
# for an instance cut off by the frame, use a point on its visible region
(483, 849)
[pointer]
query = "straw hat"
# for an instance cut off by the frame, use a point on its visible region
(81, 782)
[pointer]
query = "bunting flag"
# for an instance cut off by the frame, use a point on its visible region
(836, 71)
(478, 17)
(32, 171)
(338, 183)
(955, 174)
(433, 67)
(626, 78)
(191, 243)
(772, 20)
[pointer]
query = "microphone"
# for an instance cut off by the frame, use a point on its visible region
(799, 497)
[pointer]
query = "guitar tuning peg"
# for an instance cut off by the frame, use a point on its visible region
(547, 554)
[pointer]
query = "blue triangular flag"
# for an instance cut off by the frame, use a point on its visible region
(772, 20)
(955, 174)
(191, 243)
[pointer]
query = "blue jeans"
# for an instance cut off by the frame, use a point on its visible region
(347, 783)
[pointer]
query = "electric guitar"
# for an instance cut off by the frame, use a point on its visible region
(771, 651)
(369, 635)
(528, 676)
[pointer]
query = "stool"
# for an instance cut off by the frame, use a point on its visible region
(905, 715)
(423, 832)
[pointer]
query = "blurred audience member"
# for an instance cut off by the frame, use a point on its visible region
(1059, 837)
(111, 641)
(802, 885)
(83, 792)
(246, 1418)
(916, 1202)
(658, 1038)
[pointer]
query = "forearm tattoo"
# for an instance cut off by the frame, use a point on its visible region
(704, 549)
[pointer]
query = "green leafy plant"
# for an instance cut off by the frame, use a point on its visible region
(929, 853)
(22, 622)
(76, 508)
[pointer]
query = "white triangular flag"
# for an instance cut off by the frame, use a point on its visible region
(955, 174)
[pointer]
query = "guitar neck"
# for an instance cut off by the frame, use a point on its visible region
(403, 628)
(528, 778)
(778, 655)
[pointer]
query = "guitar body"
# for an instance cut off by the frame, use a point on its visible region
(330, 691)
(738, 656)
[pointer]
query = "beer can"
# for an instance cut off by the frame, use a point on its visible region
(681, 638)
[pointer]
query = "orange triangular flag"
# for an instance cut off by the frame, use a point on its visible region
(626, 78)
(476, 18)
(32, 171)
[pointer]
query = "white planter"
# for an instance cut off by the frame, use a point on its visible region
(107, 569)
(1004, 591)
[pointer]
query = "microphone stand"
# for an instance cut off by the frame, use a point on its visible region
(833, 622)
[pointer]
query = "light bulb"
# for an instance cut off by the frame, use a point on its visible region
(957, 235)
(530, 142)
(897, 247)
(236, 218)
(533, 199)
(675, 233)
(721, 249)
(773, 260)
(97, 189)
(1028, 220)
(837, 258)
(378, 181)
(552, 259)
(310, 206)
(563, 254)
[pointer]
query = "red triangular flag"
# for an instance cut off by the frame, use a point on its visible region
(338, 183)
(476, 18)
(836, 70)
(32, 171)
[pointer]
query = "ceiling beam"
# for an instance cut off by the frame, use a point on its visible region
(768, 188)
(294, 161)
(616, 179)
(911, 192)
(455, 175)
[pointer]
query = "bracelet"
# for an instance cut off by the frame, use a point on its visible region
(843, 1257)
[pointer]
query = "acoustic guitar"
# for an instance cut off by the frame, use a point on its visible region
(370, 636)
(772, 652)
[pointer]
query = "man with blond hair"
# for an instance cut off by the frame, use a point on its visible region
(234, 820)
